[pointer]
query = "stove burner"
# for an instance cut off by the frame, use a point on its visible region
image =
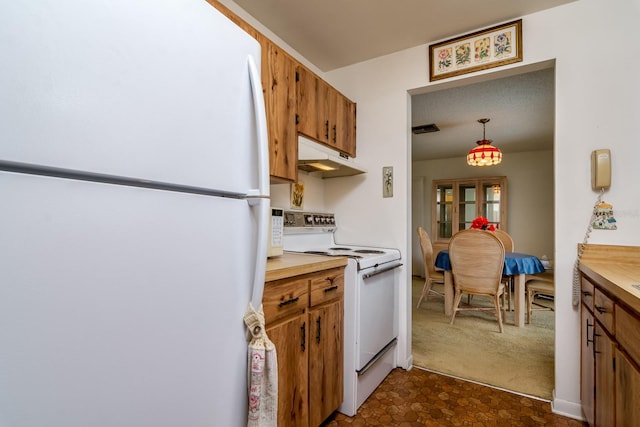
(368, 251)
(339, 249)
(325, 253)
(317, 252)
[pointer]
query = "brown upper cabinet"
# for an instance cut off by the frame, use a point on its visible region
(279, 85)
(292, 93)
(324, 114)
(344, 119)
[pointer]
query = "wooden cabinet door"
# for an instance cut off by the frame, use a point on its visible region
(604, 390)
(325, 361)
(306, 102)
(334, 111)
(324, 114)
(312, 103)
(279, 86)
(343, 129)
(587, 366)
(292, 343)
(350, 131)
(627, 391)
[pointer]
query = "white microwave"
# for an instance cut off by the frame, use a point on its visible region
(276, 231)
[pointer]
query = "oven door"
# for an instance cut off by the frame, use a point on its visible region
(377, 324)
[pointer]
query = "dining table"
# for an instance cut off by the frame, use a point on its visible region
(516, 265)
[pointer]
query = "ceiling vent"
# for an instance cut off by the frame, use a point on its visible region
(425, 129)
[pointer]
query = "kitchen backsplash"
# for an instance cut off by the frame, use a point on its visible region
(313, 194)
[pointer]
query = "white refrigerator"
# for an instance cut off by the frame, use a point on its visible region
(133, 213)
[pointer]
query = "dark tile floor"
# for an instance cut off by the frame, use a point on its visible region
(422, 398)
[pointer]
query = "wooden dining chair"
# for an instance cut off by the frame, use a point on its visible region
(430, 273)
(477, 260)
(538, 284)
(506, 239)
(507, 242)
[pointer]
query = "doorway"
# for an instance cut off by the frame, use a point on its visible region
(528, 165)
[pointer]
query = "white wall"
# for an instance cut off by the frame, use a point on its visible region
(597, 106)
(313, 200)
(529, 196)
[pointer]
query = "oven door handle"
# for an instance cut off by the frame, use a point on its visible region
(377, 357)
(382, 270)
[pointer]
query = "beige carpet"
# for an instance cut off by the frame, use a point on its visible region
(520, 359)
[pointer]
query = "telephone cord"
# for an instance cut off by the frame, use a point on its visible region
(581, 248)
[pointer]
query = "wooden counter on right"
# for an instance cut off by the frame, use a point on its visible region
(610, 335)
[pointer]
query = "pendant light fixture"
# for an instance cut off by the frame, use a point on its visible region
(484, 154)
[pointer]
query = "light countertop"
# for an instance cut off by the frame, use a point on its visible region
(616, 268)
(294, 264)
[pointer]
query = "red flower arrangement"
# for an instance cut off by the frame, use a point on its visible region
(482, 223)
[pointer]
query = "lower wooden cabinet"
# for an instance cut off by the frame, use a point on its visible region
(604, 377)
(610, 359)
(627, 391)
(588, 364)
(325, 361)
(293, 366)
(305, 321)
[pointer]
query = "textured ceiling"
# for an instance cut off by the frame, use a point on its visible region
(521, 109)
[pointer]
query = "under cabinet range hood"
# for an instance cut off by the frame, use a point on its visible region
(316, 159)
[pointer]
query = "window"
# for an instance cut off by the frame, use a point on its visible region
(456, 202)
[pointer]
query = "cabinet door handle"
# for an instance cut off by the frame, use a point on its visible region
(586, 293)
(326, 129)
(332, 288)
(335, 133)
(600, 310)
(289, 301)
(592, 339)
(594, 343)
(318, 323)
(303, 329)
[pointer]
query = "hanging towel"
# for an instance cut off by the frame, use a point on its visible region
(263, 372)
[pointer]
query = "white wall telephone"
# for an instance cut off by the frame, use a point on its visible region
(600, 181)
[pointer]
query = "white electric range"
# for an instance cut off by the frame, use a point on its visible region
(371, 299)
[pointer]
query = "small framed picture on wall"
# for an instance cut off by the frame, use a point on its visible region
(297, 196)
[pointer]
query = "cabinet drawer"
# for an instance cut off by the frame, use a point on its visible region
(628, 333)
(587, 293)
(603, 310)
(327, 286)
(285, 297)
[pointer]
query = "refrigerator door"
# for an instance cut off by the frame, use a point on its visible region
(122, 306)
(156, 90)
